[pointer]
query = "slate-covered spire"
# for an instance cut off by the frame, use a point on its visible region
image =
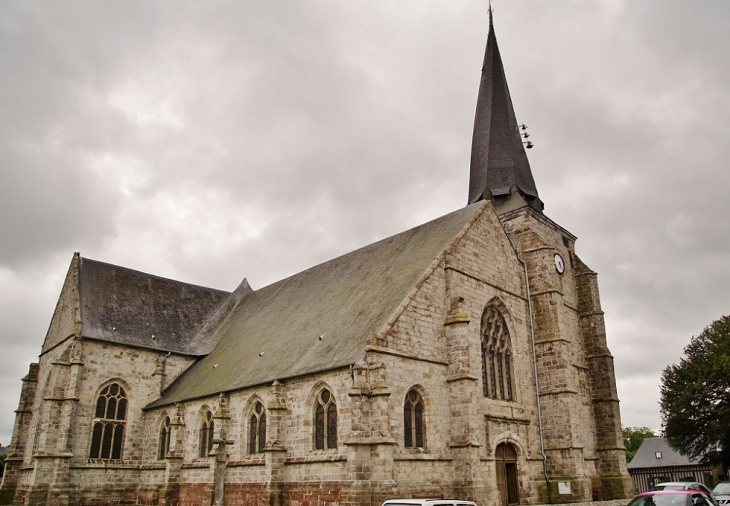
(499, 166)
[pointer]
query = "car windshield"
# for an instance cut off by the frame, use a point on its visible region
(722, 488)
(660, 500)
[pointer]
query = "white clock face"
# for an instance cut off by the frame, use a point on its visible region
(559, 263)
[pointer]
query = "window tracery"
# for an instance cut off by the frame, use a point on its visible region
(109, 423)
(206, 434)
(257, 429)
(413, 423)
(164, 442)
(496, 356)
(325, 421)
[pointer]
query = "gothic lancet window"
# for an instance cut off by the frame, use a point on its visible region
(109, 422)
(413, 420)
(496, 356)
(325, 421)
(257, 429)
(206, 434)
(164, 443)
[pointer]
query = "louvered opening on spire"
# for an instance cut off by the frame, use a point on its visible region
(499, 169)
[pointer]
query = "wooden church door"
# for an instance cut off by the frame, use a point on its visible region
(506, 463)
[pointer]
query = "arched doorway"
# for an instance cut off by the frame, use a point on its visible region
(505, 458)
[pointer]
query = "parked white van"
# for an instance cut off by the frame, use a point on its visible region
(428, 502)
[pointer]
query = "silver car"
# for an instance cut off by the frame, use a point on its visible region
(428, 502)
(685, 485)
(721, 493)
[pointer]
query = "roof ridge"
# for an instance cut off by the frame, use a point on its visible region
(137, 272)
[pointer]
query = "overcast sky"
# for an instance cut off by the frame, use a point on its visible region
(212, 141)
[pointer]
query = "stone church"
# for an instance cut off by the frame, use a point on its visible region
(464, 357)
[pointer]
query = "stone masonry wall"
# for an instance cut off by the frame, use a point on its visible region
(66, 317)
(134, 369)
(481, 268)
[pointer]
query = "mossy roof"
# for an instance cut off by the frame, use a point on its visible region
(322, 318)
(132, 308)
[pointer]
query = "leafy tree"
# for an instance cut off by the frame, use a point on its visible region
(633, 437)
(2, 463)
(695, 396)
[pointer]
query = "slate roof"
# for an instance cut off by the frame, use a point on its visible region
(129, 307)
(499, 163)
(646, 455)
(274, 333)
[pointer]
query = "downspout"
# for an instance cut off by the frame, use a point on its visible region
(537, 380)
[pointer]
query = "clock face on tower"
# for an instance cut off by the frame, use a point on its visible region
(559, 263)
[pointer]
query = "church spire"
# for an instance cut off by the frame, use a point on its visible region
(499, 165)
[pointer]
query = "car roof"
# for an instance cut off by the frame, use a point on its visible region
(426, 501)
(668, 492)
(677, 483)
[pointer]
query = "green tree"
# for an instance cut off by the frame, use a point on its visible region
(695, 396)
(633, 437)
(2, 463)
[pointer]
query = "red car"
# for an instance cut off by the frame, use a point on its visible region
(673, 498)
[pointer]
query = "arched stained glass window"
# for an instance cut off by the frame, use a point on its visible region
(325, 421)
(496, 356)
(413, 423)
(164, 443)
(110, 418)
(206, 434)
(257, 429)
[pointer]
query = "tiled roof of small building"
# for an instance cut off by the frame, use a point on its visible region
(322, 318)
(646, 455)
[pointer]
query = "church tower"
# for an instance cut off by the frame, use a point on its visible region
(577, 401)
